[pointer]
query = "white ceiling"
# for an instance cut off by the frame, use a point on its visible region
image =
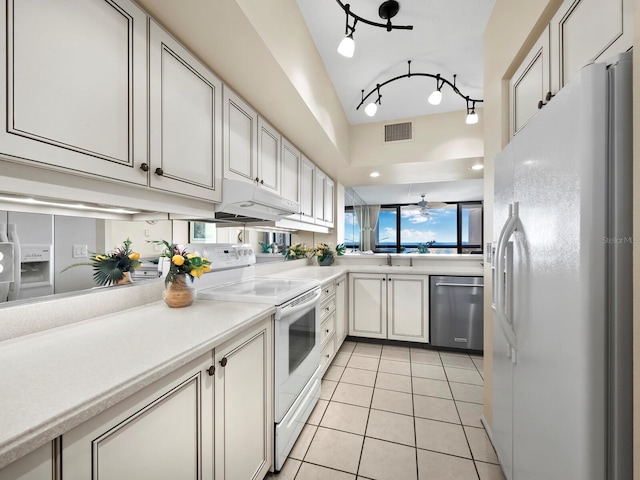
(446, 39)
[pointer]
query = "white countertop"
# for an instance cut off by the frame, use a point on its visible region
(53, 380)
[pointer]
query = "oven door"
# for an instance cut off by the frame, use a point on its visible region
(297, 346)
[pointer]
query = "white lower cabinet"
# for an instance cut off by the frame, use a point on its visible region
(40, 464)
(164, 431)
(394, 307)
(244, 405)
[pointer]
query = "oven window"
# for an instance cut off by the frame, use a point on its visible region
(302, 338)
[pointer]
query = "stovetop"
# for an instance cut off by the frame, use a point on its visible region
(274, 291)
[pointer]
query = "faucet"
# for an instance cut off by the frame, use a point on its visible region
(388, 259)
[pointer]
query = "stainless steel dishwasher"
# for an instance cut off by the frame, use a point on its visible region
(456, 312)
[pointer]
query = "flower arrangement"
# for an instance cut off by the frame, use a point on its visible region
(181, 262)
(110, 267)
(297, 251)
(324, 254)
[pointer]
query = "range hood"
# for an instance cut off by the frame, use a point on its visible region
(244, 202)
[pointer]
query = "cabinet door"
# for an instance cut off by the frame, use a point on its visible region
(41, 464)
(341, 310)
(307, 190)
(240, 126)
(319, 191)
(290, 171)
(269, 159)
(583, 31)
(328, 202)
(529, 84)
(165, 431)
(185, 124)
(368, 305)
(74, 86)
(408, 308)
(243, 405)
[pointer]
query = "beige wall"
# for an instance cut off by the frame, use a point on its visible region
(443, 144)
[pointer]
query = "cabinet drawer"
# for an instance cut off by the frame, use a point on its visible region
(328, 352)
(326, 307)
(327, 290)
(327, 328)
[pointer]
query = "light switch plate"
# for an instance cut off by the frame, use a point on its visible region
(80, 251)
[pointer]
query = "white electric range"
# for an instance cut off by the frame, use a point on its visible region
(296, 332)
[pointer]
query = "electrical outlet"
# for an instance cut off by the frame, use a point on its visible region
(146, 232)
(80, 251)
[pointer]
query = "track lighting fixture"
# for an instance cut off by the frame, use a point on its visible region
(472, 116)
(435, 97)
(387, 11)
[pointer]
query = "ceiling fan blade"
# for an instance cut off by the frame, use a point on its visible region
(436, 205)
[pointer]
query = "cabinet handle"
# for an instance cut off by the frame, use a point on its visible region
(547, 97)
(159, 171)
(211, 370)
(144, 167)
(223, 362)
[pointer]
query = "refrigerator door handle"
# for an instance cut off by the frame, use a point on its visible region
(505, 326)
(494, 261)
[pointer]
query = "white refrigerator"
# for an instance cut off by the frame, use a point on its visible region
(562, 351)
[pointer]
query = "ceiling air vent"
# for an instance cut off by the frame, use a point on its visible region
(397, 132)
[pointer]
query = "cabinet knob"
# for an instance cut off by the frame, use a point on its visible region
(223, 362)
(211, 370)
(328, 355)
(144, 167)
(257, 180)
(549, 96)
(327, 330)
(159, 171)
(262, 182)
(541, 104)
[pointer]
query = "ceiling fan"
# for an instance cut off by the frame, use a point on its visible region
(423, 206)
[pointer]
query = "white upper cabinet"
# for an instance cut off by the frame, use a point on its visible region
(269, 159)
(240, 138)
(75, 77)
(291, 159)
(307, 187)
(323, 195)
(186, 120)
(588, 30)
(581, 32)
(530, 83)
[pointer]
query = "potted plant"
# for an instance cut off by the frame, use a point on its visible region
(113, 267)
(182, 265)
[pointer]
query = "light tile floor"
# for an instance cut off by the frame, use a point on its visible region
(396, 413)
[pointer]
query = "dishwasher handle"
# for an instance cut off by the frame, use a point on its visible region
(442, 284)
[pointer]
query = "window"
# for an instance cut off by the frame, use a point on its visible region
(351, 229)
(456, 228)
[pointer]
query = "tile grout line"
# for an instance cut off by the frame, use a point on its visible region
(475, 467)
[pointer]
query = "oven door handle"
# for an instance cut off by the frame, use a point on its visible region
(302, 306)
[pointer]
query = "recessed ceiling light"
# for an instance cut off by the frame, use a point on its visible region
(374, 174)
(478, 166)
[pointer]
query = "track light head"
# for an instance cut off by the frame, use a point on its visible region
(435, 98)
(371, 109)
(347, 46)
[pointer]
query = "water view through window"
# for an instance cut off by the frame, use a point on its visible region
(456, 228)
